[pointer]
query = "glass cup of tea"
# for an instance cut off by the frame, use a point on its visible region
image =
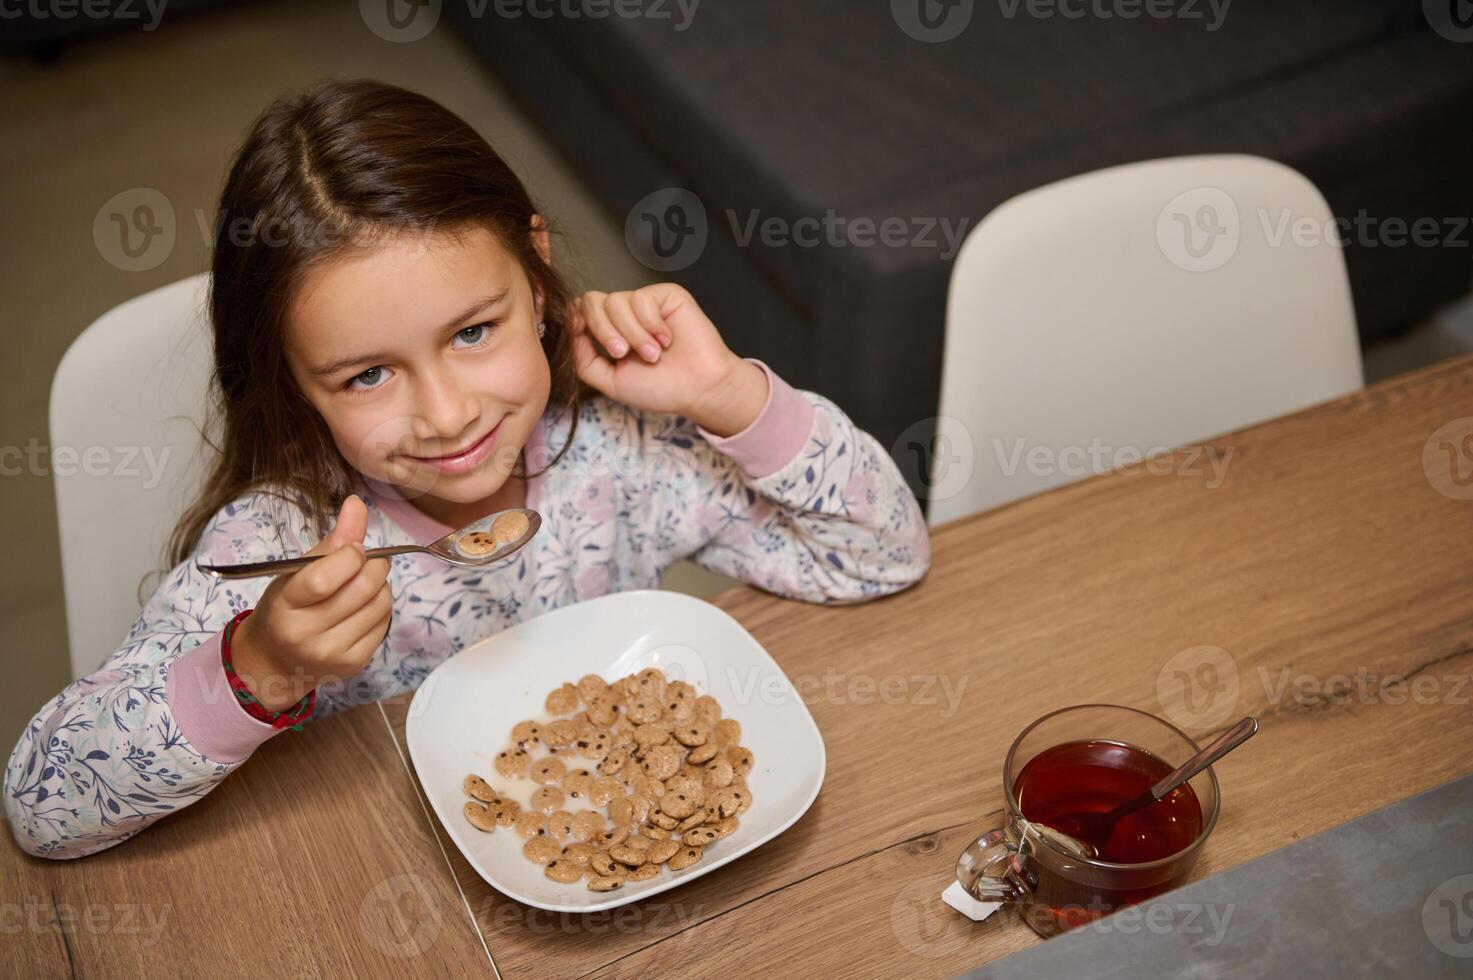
(1087, 759)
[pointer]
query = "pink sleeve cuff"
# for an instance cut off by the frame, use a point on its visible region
(776, 436)
(205, 709)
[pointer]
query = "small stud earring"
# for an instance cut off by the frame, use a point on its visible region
(541, 329)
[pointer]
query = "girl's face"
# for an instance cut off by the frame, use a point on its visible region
(422, 357)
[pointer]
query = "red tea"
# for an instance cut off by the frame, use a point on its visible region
(1095, 776)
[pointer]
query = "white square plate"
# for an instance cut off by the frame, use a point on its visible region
(462, 715)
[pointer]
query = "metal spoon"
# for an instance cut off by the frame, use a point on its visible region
(505, 532)
(1099, 826)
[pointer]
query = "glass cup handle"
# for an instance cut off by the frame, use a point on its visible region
(989, 869)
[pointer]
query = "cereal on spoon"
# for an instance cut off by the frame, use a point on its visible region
(662, 774)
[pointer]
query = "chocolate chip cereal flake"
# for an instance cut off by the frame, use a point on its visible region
(699, 836)
(691, 735)
(677, 805)
(478, 788)
(602, 864)
(708, 710)
(694, 820)
(548, 771)
(541, 850)
(679, 712)
(577, 783)
(603, 710)
(640, 807)
(617, 834)
(479, 816)
(613, 762)
(587, 824)
(548, 799)
(526, 734)
(651, 681)
(662, 762)
(579, 852)
(474, 544)
(604, 790)
(531, 824)
(560, 826)
(645, 871)
(562, 700)
(644, 709)
(591, 686)
(605, 883)
(627, 855)
(662, 851)
(621, 810)
(684, 858)
(652, 832)
(513, 763)
(648, 736)
(719, 773)
(663, 820)
(702, 753)
(560, 732)
(728, 732)
(594, 744)
(725, 826)
(740, 758)
(509, 527)
(646, 786)
(563, 871)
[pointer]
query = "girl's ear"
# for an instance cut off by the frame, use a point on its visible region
(540, 239)
(544, 249)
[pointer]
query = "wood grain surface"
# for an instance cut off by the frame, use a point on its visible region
(1323, 580)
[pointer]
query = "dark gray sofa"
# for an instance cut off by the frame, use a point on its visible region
(792, 109)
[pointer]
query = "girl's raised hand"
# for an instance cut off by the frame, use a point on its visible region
(322, 622)
(654, 349)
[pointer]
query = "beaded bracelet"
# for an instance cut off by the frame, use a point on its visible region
(291, 718)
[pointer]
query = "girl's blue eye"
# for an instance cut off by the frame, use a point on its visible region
(371, 379)
(473, 335)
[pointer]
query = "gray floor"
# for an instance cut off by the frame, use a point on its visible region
(160, 110)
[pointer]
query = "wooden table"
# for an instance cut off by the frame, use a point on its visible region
(1337, 545)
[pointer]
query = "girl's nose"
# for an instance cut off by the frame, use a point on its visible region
(448, 412)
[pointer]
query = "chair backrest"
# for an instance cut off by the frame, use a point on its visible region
(1131, 309)
(126, 403)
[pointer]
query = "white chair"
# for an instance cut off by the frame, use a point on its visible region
(127, 400)
(1151, 305)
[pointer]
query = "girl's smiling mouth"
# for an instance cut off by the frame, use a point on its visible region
(467, 460)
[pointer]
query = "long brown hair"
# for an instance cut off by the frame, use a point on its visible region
(337, 168)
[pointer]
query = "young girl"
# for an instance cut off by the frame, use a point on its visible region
(394, 348)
